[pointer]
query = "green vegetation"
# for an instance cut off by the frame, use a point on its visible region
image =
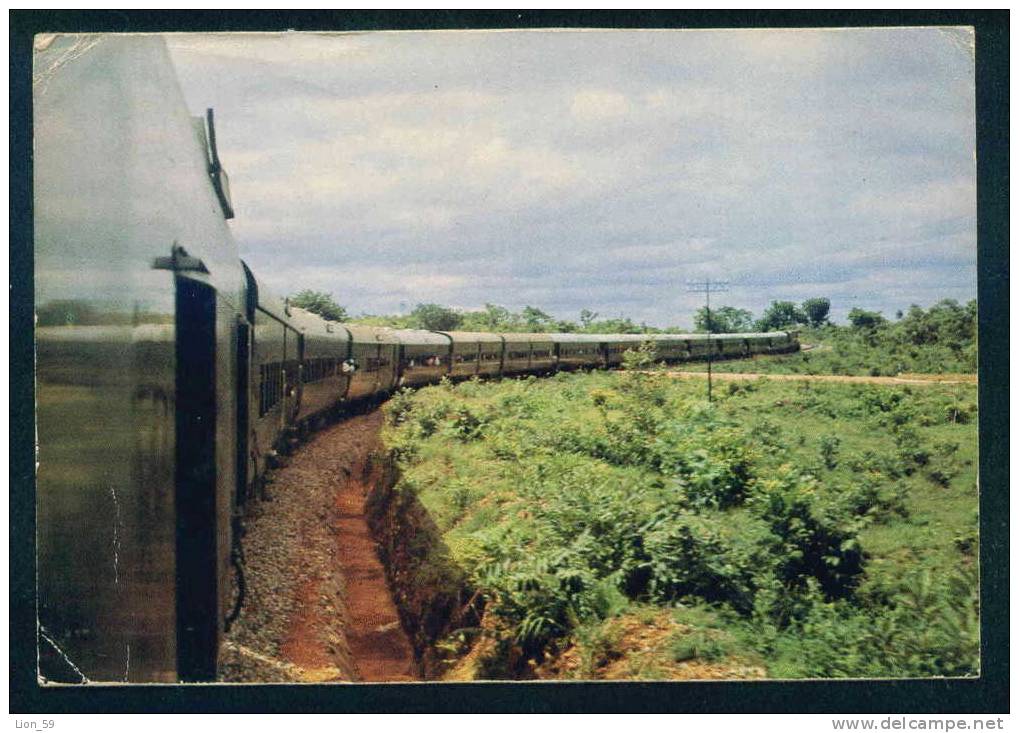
(435, 317)
(724, 319)
(816, 311)
(941, 339)
(320, 303)
(497, 318)
(781, 315)
(613, 524)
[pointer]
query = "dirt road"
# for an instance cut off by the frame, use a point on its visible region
(928, 379)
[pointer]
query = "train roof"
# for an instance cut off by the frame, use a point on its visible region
(412, 336)
(574, 338)
(363, 334)
(541, 338)
(617, 337)
(472, 336)
(261, 295)
(308, 322)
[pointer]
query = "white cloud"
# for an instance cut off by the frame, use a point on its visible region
(599, 169)
(595, 105)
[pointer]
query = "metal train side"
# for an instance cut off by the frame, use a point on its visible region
(139, 296)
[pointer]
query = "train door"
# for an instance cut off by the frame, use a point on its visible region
(243, 401)
(401, 365)
(197, 587)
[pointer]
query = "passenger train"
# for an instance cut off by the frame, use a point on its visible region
(168, 376)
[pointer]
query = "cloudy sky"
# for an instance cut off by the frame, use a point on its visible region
(598, 169)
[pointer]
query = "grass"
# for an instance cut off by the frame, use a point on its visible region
(791, 529)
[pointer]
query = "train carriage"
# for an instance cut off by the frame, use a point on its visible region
(759, 343)
(732, 346)
(615, 345)
(699, 344)
(782, 343)
(516, 358)
(670, 347)
(275, 365)
(543, 357)
(424, 356)
(578, 351)
(373, 362)
(474, 353)
(325, 349)
(140, 304)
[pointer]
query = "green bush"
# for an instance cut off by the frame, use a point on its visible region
(691, 555)
(812, 538)
(928, 626)
(829, 450)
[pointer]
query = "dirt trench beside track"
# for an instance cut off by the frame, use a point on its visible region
(317, 606)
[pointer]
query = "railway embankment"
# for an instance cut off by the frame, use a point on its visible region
(316, 604)
(432, 593)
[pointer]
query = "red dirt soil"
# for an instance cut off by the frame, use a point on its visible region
(379, 646)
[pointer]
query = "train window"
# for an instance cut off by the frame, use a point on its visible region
(320, 368)
(270, 386)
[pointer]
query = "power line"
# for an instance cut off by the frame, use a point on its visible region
(708, 286)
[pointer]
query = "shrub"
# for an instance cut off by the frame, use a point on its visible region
(812, 540)
(710, 645)
(688, 555)
(929, 627)
(715, 464)
(911, 450)
(466, 424)
(829, 450)
(871, 498)
(399, 406)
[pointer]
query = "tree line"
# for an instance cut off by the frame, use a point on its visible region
(946, 322)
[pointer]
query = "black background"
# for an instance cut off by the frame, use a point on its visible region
(987, 694)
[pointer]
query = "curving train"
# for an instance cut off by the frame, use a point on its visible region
(168, 376)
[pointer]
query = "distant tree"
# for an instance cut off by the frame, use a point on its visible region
(565, 326)
(613, 325)
(781, 314)
(321, 303)
(816, 310)
(724, 319)
(495, 316)
(537, 320)
(587, 317)
(945, 322)
(862, 319)
(434, 317)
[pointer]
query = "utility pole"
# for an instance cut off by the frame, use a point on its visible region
(708, 286)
